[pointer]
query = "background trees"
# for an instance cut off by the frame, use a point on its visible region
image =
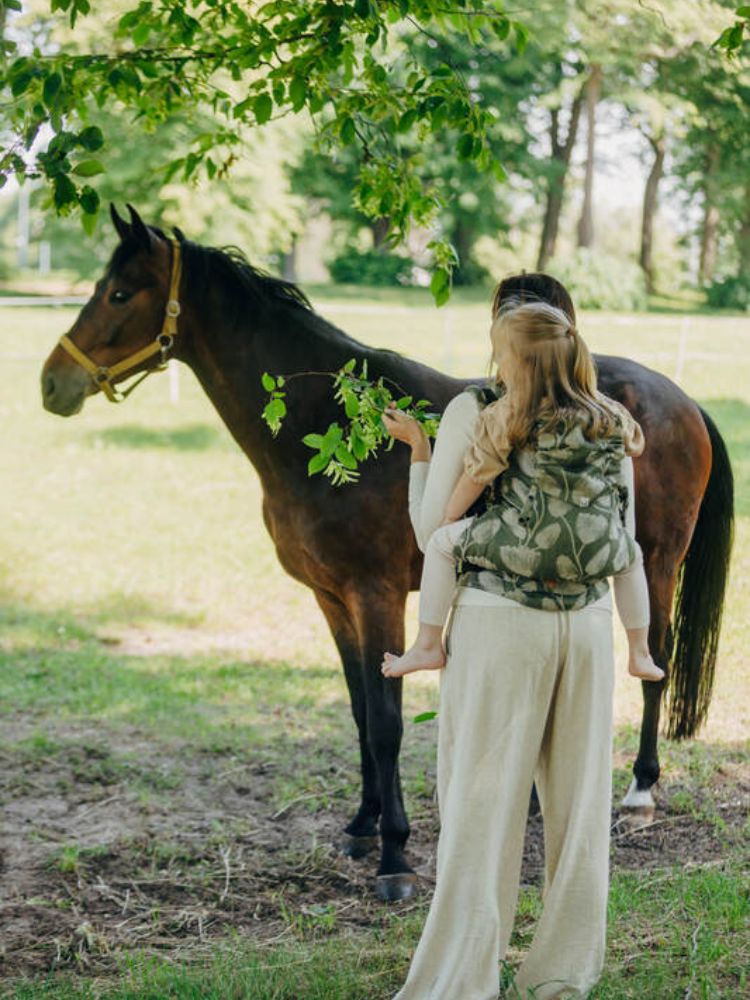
(452, 121)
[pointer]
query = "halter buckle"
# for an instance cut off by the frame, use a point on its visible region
(173, 308)
(101, 375)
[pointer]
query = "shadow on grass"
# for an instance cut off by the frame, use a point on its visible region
(196, 437)
(55, 664)
(732, 417)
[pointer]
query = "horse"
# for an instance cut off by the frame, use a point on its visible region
(354, 547)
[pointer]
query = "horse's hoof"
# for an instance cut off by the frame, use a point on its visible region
(393, 888)
(638, 807)
(358, 847)
(637, 817)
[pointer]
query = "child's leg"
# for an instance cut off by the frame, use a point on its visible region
(631, 597)
(436, 594)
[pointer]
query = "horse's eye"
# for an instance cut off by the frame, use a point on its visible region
(119, 296)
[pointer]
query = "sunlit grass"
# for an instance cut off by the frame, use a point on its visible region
(142, 522)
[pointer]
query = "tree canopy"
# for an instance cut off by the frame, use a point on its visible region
(421, 99)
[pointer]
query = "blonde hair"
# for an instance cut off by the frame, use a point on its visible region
(550, 374)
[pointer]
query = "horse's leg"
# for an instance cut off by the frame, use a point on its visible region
(662, 578)
(361, 834)
(380, 625)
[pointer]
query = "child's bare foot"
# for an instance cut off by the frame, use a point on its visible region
(642, 666)
(416, 658)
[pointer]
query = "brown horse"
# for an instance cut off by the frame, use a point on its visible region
(354, 547)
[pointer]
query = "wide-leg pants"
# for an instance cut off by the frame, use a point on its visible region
(526, 695)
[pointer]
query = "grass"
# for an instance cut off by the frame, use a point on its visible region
(139, 592)
(677, 933)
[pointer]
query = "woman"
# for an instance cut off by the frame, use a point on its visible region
(526, 696)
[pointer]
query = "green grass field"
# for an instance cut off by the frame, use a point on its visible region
(152, 649)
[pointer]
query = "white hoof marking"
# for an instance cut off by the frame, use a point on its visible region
(638, 799)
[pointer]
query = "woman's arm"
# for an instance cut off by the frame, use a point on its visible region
(431, 482)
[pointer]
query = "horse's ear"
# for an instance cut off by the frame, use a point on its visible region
(121, 226)
(140, 230)
(179, 234)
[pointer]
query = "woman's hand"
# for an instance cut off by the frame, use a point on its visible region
(404, 428)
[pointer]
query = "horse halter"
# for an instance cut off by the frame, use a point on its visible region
(162, 344)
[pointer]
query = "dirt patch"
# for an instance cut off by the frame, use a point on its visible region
(112, 844)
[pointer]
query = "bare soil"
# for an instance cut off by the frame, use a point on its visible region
(113, 843)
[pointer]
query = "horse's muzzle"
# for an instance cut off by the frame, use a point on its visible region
(64, 393)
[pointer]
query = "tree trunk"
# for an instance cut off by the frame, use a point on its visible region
(586, 223)
(710, 227)
(561, 152)
(650, 202)
(289, 263)
(743, 238)
(463, 238)
(379, 229)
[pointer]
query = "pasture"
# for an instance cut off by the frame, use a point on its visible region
(177, 752)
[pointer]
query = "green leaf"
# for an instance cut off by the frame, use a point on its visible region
(499, 171)
(440, 287)
(297, 93)
(439, 281)
(348, 131)
(141, 33)
(89, 201)
(88, 168)
(466, 147)
(522, 36)
(262, 108)
(317, 463)
(425, 717)
(21, 83)
(333, 436)
(65, 191)
(89, 221)
(274, 413)
(350, 365)
(345, 457)
(743, 11)
(402, 403)
(351, 406)
(51, 88)
(91, 138)
(269, 382)
(501, 27)
(358, 445)
(407, 120)
(313, 441)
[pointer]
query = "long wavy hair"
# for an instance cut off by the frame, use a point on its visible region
(548, 371)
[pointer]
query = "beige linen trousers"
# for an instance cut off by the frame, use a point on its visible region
(526, 695)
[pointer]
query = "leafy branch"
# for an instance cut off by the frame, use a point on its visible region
(733, 37)
(344, 446)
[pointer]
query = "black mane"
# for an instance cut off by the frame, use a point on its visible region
(239, 280)
(227, 267)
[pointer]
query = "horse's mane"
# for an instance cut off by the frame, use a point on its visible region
(239, 279)
(227, 267)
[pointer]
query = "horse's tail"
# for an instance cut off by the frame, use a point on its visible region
(699, 601)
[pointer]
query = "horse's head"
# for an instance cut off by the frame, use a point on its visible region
(126, 326)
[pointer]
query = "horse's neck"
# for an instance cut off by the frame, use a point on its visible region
(229, 359)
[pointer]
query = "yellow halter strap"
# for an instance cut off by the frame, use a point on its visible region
(162, 344)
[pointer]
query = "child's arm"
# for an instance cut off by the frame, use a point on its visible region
(465, 492)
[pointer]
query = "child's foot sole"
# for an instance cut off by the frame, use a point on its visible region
(644, 668)
(411, 661)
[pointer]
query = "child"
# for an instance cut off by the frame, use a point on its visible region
(557, 532)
